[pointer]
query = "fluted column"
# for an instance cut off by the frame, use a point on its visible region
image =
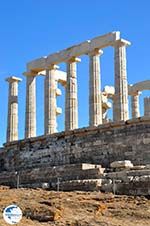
(71, 99)
(50, 100)
(30, 118)
(12, 119)
(135, 105)
(95, 96)
(147, 106)
(120, 107)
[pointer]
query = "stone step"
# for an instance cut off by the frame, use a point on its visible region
(139, 187)
(50, 174)
(81, 185)
(128, 182)
(127, 173)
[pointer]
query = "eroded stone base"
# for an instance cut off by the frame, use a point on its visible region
(82, 158)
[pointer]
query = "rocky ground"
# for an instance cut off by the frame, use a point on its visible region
(45, 208)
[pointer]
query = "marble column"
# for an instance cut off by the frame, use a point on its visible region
(147, 106)
(135, 105)
(50, 100)
(12, 120)
(71, 99)
(95, 95)
(30, 117)
(120, 105)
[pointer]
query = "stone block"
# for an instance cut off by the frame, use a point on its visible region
(86, 166)
(140, 167)
(122, 164)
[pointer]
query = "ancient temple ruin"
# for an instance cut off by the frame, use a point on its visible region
(82, 157)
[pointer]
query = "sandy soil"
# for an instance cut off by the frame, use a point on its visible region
(46, 208)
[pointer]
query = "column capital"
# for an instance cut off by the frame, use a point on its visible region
(13, 79)
(30, 73)
(147, 97)
(133, 91)
(52, 67)
(121, 42)
(73, 60)
(95, 52)
(137, 93)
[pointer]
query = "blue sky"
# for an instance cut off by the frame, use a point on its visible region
(33, 28)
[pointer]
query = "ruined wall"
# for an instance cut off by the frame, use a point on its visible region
(99, 145)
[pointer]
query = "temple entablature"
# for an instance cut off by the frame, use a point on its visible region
(83, 48)
(139, 86)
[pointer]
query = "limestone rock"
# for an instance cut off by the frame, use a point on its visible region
(121, 164)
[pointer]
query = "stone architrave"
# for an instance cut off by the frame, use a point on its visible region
(120, 105)
(71, 99)
(147, 106)
(78, 50)
(12, 120)
(50, 100)
(30, 117)
(135, 105)
(95, 95)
